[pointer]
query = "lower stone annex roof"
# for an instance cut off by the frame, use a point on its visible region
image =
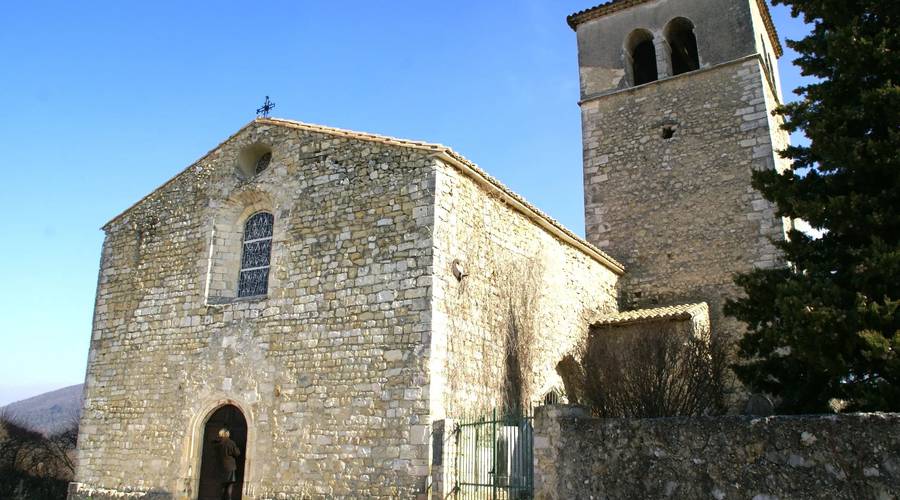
(683, 311)
(442, 152)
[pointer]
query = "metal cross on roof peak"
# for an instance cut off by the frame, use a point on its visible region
(264, 110)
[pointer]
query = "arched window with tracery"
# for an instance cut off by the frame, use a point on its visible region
(641, 57)
(256, 255)
(683, 45)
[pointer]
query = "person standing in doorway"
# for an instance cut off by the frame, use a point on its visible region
(229, 452)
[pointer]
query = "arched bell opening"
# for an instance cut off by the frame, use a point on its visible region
(640, 54)
(683, 45)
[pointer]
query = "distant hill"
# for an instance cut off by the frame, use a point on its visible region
(48, 412)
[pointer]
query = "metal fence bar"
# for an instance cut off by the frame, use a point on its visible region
(494, 457)
(493, 469)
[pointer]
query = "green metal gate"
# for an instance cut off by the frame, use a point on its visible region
(494, 458)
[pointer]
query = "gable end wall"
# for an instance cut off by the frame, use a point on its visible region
(328, 368)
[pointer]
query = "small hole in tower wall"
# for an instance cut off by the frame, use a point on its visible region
(667, 132)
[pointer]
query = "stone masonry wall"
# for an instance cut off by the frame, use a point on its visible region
(327, 368)
(680, 212)
(516, 273)
(836, 456)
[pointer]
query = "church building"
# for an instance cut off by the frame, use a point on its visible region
(327, 295)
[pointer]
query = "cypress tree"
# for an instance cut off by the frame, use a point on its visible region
(826, 326)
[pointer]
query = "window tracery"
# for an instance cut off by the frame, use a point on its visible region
(256, 255)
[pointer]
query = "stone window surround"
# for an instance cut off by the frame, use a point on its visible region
(223, 261)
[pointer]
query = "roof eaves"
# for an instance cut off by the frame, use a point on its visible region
(601, 10)
(770, 27)
(176, 176)
(352, 134)
(522, 205)
(444, 152)
(668, 313)
(471, 169)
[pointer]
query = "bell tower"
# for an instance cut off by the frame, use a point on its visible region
(676, 101)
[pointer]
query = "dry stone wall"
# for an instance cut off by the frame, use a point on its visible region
(328, 368)
(831, 456)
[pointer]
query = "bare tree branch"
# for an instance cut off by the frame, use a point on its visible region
(653, 374)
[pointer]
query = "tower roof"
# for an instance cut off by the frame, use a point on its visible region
(612, 6)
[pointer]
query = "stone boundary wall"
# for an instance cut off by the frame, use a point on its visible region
(734, 457)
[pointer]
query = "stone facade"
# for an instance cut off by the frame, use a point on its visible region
(667, 164)
(361, 340)
(830, 456)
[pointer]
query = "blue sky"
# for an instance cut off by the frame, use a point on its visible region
(103, 101)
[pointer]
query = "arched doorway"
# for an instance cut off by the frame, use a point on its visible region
(211, 468)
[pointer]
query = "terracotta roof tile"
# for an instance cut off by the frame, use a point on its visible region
(770, 26)
(600, 10)
(683, 311)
